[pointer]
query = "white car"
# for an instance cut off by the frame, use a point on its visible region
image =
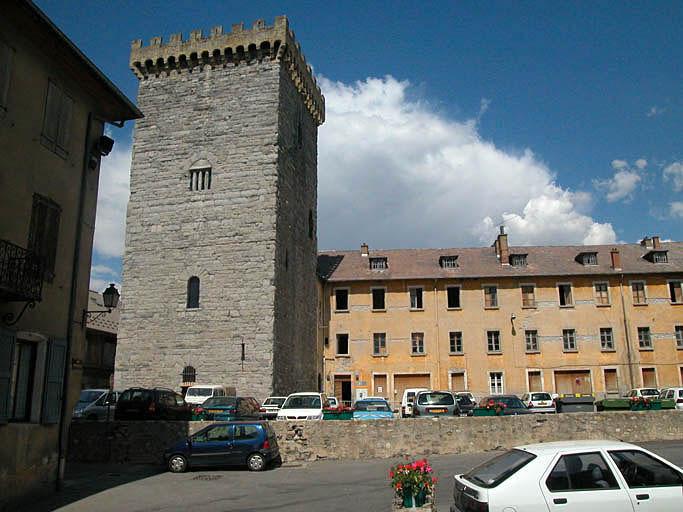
(271, 406)
(539, 401)
(303, 406)
(408, 400)
(675, 394)
(571, 476)
(643, 392)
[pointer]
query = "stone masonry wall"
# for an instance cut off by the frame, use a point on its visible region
(144, 442)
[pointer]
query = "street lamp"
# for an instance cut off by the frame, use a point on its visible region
(111, 300)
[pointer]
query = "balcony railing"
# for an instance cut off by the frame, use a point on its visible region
(21, 274)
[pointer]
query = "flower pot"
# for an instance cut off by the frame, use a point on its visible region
(482, 411)
(408, 498)
(656, 405)
(334, 415)
(636, 406)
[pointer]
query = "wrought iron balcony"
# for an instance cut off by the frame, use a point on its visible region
(21, 274)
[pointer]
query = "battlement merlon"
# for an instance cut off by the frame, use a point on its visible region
(239, 45)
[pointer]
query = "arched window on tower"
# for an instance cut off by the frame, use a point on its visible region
(200, 175)
(193, 293)
(310, 224)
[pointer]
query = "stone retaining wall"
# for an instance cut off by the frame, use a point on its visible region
(144, 441)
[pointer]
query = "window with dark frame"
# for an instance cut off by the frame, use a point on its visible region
(200, 179)
(450, 262)
(638, 291)
(57, 120)
(606, 339)
(417, 343)
(311, 226)
(342, 344)
(493, 341)
(565, 293)
(341, 299)
(601, 294)
(531, 338)
(589, 258)
(644, 338)
(455, 342)
(678, 333)
(660, 257)
(379, 344)
(378, 303)
(416, 298)
(44, 233)
(378, 263)
(193, 293)
(453, 295)
(518, 260)
(528, 296)
(23, 379)
(490, 296)
(569, 340)
(676, 292)
(6, 57)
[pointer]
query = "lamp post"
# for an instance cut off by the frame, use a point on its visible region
(111, 300)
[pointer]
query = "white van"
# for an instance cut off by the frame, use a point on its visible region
(303, 406)
(408, 400)
(196, 395)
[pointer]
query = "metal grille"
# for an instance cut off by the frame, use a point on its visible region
(21, 273)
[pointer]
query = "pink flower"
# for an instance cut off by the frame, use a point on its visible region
(399, 485)
(391, 474)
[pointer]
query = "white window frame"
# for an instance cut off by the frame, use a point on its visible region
(526, 345)
(378, 264)
(424, 345)
(348, 295)
(678, 339)
(500, 342)
(571, 294)
(564, 344)
(336, 345)
(589, 255)
(502, 382)
(462, 344)
(452, 262)
(521, 291)
(650, 345)
(595, 294)
(483, 289)
(459, 287)
(630, 285)
(412, 289)
(528, 371)
(372, 301)
(613, 348)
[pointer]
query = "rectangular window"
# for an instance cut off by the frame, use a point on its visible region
(448, 262)
(644, 338)
(496, 383)
(490, 296)
(453, 293)
(378, 299)
(493, 341)
(23, 378)
(589, 258)
(342, 344)
(379, 344)
(660, 257)
(565, 291)
(531, 338)
(458, 381)
(676, 292)
(455, 342)
(418, 342)
(678, 331)
(43, 233)
(6, 56)
(638, 290)
(518, 260)
(534, 380)
(528, 296)
(378, 263)
(606, 339)
(57, 120)
(601, 294)
(416, 298)
(649, 377)
(200, 179)
(569, 340)
(341, 299)
(611, 384)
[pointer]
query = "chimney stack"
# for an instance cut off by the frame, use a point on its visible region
(502, 250)
(616, 258)
(364, 249)
(645, 242)
(655, 242)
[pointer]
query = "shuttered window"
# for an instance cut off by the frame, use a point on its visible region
(57, 120)
(54, 380)
(7, 341)
(6, 56)
(44, 232)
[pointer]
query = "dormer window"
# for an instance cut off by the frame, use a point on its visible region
(518, 260)
(660, 257)
(588, 258)
(378, 263)
(448, 261)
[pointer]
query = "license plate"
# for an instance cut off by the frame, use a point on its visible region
(437, 410)
(215, 411)
(542, 403)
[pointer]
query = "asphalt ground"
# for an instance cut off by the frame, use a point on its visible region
(324, 485)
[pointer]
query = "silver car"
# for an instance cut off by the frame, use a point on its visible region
(96, 404)
(435, 403)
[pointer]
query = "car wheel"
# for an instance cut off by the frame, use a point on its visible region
(256, 462)
(177, 464)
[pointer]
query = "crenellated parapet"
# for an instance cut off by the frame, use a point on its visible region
(261, 43)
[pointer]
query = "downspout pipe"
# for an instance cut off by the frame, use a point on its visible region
(626, 332)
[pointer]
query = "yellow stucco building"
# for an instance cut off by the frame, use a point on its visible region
(502, 319)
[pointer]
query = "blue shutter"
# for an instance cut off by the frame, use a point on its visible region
(7, 341)
(54, 379)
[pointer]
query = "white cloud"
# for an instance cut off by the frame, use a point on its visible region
(674, 172)
(619, 164)
(641, 163)
(101, 276)
(112, 200)
(396, 174)
(655, 111)
(620, 186)
(676, 209)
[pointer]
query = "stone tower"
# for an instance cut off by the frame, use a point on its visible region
(219, 266)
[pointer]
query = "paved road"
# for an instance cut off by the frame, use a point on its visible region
(325, 486)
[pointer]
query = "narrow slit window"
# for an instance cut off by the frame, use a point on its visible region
(200, 179)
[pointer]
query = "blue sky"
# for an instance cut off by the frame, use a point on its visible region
(446, 119)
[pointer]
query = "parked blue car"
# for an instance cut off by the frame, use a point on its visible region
(372, 409)
(226, 444)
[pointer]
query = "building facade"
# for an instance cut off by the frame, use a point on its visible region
(219, 266)
(100, 343)
(501, 319)
(53, 106)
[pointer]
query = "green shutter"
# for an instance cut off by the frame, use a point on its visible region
(7, 341)
(54, 380)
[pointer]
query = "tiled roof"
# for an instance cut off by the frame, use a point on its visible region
(481, 262)
(106, 322)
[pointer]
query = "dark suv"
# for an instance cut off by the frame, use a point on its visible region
(151, 404)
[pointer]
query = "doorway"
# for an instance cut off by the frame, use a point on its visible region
(573, 381)
(342, 388)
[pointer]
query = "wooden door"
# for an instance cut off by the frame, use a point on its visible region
(649, 378)
(380, 387)
(573, 382)
(535, 381)
(458, 381)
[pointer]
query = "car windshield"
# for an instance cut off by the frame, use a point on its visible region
(88, 395)
(302, 402)
(435, 398)
(649, 392)
(200, 392)
(274, 401)
(141, 395)
(540, 396)
(372, 405)
(509, 401)
(495, 471)
(219, 401)
(463, 400)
